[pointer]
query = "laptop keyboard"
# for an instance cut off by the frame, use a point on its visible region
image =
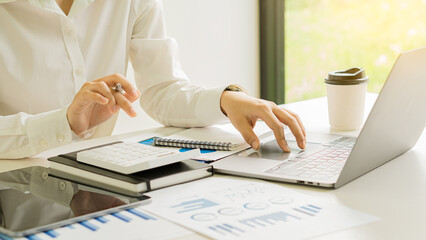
(320, 163)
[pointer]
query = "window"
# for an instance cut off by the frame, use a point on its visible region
(326, 35)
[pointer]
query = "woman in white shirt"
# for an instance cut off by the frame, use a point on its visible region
(59, 61)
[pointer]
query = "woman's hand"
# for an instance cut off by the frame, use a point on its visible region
(96, 102)
(243, 111)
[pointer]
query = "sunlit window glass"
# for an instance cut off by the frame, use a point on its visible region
(326, 35)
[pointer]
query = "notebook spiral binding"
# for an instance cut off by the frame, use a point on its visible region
(169, 142)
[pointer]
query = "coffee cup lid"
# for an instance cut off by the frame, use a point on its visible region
(351, 76)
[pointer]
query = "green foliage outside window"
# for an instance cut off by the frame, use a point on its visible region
(326, 35)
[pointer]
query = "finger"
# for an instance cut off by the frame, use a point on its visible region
(131, 97)
(96, 97)
(246, 130)
(125, 104)
(86, 97)
(113, 79)
(103, 89)
(292, 123)
(277, 127)
(299, 120)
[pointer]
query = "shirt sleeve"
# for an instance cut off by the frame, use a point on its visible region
(166, 93)
(23, 135)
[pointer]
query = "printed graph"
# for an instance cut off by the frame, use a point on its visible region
(310, 210)
(268, 219)
(246, 225)
(194, 205)
(226, 229)
(235, 209)
(98, 224)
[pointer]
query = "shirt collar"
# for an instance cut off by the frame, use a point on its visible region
(78, 6)
(51, 5)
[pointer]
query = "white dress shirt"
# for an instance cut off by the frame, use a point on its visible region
(46, 56)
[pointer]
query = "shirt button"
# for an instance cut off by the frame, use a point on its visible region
(44, 143)
(60, 137)
(68, 27)
(62, 185)
(79, 72)
(44, 175)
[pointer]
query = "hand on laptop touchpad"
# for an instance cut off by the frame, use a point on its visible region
(272, 151)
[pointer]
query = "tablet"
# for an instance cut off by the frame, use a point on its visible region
(32, 201)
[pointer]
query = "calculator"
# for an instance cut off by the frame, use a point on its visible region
(131, 157)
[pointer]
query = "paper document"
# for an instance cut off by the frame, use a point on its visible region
(130, 224)
(224, 208)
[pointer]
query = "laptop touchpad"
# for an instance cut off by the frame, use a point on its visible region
(272, 151)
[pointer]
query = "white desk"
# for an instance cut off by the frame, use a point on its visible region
(395, 192)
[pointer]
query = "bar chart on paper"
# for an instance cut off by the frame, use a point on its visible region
(238, 220)
(229, 209)
(133, 223)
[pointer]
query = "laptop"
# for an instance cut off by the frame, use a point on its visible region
(394, 125)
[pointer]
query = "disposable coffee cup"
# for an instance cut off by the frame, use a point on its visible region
(346, 91)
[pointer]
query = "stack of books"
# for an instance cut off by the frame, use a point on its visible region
(67, 167)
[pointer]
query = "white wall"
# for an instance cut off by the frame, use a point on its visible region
(218, 40)
(219, 45)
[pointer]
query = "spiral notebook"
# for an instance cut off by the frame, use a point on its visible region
(210, 145)
(219, 137)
